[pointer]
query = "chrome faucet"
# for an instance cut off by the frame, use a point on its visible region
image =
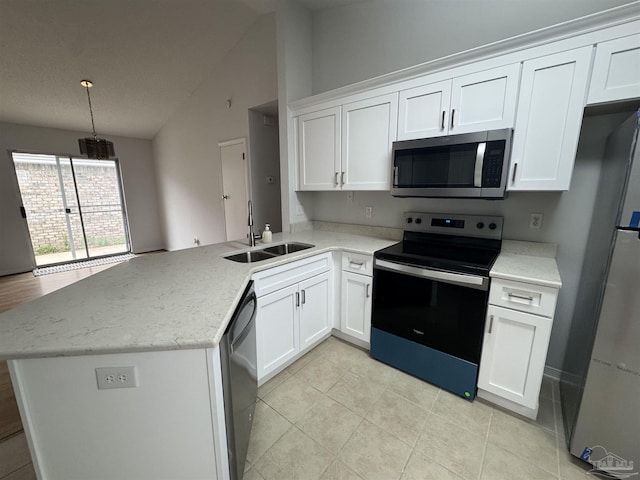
(252, 237)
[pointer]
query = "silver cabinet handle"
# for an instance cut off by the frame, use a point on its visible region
(523, 297)
(297, 299)
(442, 122)
(453, 114)
(225, 197)
(490, 323)
(515, 169)
(342, 178)
(337, 182)
(477, 174)
(355, 264)
(304, 297)
(395, 176)
(367, 292)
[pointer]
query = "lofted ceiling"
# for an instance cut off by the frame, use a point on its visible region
(145, 58)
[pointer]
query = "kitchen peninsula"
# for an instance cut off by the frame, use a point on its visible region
(163, 314)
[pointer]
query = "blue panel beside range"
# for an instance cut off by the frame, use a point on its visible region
(430, 295)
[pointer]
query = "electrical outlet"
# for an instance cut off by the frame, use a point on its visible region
(368, 211)
(116, 377)
(535, 220)
(350, 196)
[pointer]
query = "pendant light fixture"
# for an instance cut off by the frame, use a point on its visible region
(95, 147)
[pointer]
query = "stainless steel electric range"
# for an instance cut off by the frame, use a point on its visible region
(430, 295)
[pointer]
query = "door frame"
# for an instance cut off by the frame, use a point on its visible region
(70, 156)
(247, 174)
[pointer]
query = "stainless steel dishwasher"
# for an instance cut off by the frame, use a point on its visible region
(239, 380)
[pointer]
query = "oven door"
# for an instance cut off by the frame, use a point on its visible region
(441, 310)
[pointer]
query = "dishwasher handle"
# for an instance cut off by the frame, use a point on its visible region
(243, 319)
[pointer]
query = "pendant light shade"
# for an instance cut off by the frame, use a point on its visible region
(95, 147)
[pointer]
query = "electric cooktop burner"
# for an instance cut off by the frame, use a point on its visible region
(458, 243)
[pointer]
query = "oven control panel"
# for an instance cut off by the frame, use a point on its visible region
(484, 226)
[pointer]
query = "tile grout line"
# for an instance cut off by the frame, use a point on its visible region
(486, 444)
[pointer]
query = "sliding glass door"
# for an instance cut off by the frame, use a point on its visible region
(73, 206)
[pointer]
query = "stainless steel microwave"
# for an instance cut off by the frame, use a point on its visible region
(471, 165)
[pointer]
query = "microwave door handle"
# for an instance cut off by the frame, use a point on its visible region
(477, 174)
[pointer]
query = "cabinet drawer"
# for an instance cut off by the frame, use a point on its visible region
(524, 297)
(358, 263)
(276, 278)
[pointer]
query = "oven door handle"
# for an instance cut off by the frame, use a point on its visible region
(471, 281)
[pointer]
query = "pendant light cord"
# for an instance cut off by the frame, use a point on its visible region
(93, 126)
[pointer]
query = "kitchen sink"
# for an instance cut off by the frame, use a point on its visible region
(287, 248)
(267, 253)
(250, 257)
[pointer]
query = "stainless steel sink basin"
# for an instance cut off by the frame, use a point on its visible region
(250, 257)
(287, 248)
(269, 252)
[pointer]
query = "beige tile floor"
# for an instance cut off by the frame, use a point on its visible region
(337, 414)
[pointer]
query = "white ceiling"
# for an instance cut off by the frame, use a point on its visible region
(145, 58)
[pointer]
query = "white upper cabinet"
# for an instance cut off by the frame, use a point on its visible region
(423, 111)
(616, 70)
(550, 108)
(484, 100)
(318, 149)
(479, 101)
(368, 131)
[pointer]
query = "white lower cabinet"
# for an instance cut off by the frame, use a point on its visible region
(314, 309)
(277, 329)
(514, 348)
(514, 352)
(356, 300)
(355, 318)
(294, 312)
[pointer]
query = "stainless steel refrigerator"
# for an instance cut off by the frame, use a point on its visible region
(600, 385)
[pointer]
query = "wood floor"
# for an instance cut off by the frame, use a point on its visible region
(14, 290)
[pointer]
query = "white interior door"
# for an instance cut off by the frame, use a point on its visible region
(234, 187)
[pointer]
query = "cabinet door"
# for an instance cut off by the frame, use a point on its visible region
(550, 109)
(356, 305)
(424, 111)
(514, 351)
(616, 70)
(318, 147)
(484, 100)
(315, 308)
(277, 329)
(368, 131)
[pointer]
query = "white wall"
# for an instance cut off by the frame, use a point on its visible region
(185, 150)
(294, 41)
(138, 179)
(364, 40)
(264, 156)
(567, 217)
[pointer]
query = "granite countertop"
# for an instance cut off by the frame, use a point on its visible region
(185, 299)
(528, 262)
(165, 301)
